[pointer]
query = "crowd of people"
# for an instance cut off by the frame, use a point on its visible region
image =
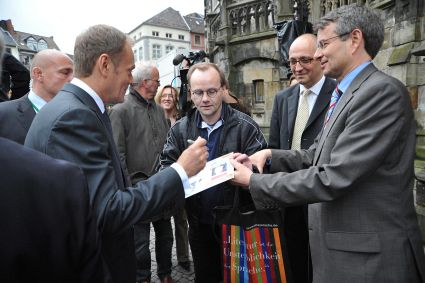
(81, 184)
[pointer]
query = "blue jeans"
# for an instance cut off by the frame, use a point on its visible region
(163, 246)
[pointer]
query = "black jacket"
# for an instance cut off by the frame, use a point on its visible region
(15, 76)
(240, 133)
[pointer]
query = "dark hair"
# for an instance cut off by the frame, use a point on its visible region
(350, 17)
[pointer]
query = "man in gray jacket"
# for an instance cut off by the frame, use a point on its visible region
(357, 177)
(140, 128)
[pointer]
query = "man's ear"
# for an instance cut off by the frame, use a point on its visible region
(104, 64)
(37, 73)
(357, 39)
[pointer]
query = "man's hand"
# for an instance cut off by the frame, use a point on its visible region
(260, 157)
(194, 158)
(242, 174)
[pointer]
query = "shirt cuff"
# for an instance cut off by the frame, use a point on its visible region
(183, 176)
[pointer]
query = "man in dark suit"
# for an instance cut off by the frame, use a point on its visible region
(290, 129)
(50, 70)
(75, 126)
(358, 175)
(48, 233)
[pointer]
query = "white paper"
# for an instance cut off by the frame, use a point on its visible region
(216, 171)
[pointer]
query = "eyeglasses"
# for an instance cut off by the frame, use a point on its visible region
(157, 81)
(169, 95)
(325, 42)
(211, 92)
(303, 61)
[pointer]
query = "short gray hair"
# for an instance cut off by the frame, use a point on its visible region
(349, 17)
(142, 72)
(95, 41)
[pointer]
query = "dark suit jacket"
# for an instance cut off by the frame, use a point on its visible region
(281, 130)
(285, 108)
(15, 119)
(358, 179)
(47, 233)
(15, 76)
(71, 127)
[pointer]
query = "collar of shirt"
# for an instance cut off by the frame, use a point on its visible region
(315, 90)
(91, 92)
(36, 101)
(210, 128)
(346, 81)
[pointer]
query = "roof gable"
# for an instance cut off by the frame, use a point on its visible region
(195, 22)
(169, 18)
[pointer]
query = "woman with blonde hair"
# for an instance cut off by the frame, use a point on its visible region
(167, 97)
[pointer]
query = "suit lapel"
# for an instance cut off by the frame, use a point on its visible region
(322, 102)
(87, 100)
(342, 103)
(26, 112)
(292, 109)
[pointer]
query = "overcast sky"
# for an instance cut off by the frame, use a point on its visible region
(64, 20)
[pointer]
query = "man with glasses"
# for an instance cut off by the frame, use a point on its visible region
(297, 118)
(358, 175)
(140, 128)
(226, 130)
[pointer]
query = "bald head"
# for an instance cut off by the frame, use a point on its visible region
(50, 70)
(306, 70)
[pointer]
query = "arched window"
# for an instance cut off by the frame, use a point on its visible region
(42, 44)
(32, 43)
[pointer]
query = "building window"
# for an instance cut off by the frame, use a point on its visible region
(32, 43)
(258, 91)
(134, 37)
(168, 49)
(141, 53)
(155, 33)
(156, 51)
(197, 40)
(181, 36)
(135, 55)
(168, 35)
(42, 44)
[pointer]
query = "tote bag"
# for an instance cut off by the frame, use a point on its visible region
(253, 246)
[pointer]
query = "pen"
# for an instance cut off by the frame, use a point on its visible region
(189, 141)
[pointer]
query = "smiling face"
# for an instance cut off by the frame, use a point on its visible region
(168, 98)
(305, 68)
(209, 106)
(334, 55)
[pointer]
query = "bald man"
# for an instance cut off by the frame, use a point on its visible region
(50, 70)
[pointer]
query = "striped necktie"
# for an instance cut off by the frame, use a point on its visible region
(300, 120)
(336, 94)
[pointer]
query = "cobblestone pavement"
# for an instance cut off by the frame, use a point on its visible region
(177, 272)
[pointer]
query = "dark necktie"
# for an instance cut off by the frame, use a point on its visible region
(334, 101)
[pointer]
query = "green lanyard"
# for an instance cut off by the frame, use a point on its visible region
(35, 107)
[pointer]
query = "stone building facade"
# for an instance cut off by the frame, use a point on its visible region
(242, 40)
